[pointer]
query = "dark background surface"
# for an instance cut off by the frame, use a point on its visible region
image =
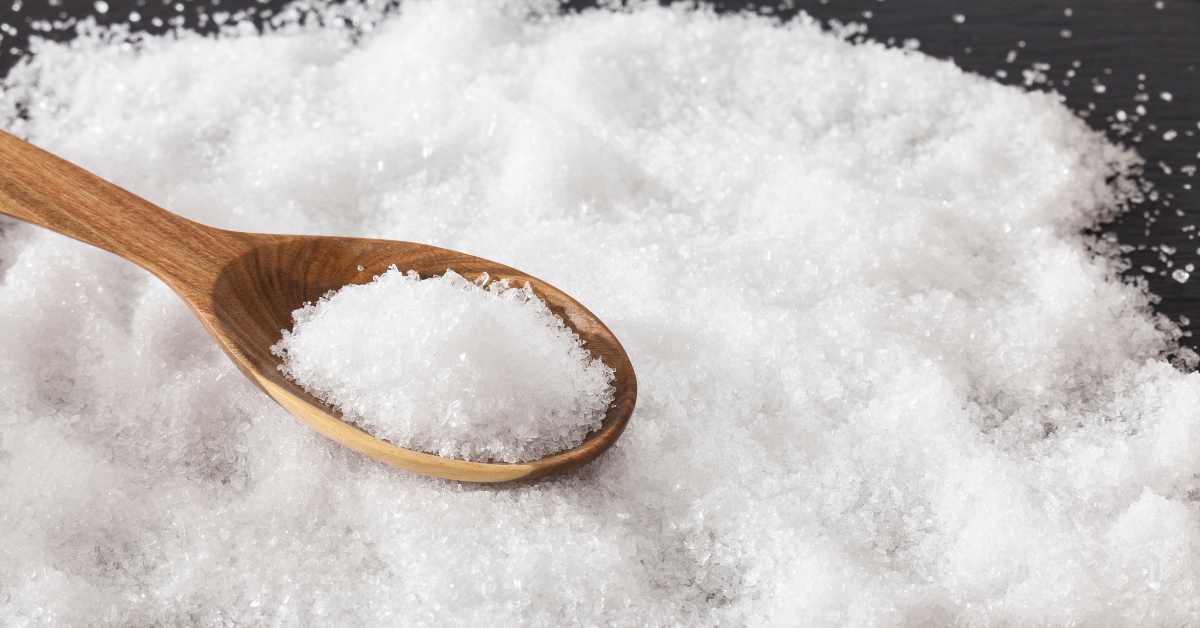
(1135, 49)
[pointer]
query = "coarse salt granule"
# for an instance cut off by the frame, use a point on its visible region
(884, 380)
(450, 368)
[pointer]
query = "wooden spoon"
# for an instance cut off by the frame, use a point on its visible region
(244, 286)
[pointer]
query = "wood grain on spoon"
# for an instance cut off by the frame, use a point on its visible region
(244, 286)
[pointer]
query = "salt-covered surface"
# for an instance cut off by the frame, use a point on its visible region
(445, 366)
(883, 378)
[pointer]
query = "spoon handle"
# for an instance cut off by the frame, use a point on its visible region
(42, 189)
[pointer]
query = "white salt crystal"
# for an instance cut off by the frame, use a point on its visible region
(992, 436)
(449, 368)
(1180, 275)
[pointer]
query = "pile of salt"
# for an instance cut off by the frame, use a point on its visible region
(883, 378)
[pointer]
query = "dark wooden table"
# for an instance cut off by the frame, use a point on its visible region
(1076, 45)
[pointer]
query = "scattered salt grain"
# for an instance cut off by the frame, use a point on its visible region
(1180, 275)
(936, 404)
(447, 367)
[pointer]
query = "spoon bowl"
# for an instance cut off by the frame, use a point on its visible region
(244, 287)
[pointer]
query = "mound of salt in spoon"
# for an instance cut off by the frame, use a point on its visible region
(447, 367)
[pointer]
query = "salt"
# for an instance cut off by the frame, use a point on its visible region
(992, 434)
(447, 367)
